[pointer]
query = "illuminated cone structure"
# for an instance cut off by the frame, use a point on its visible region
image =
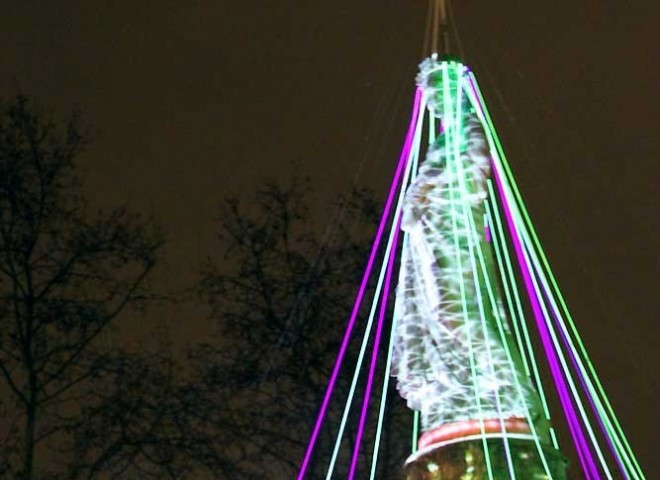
(455, 357)
(460, 345)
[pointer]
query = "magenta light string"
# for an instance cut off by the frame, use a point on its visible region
(576, 432)
(584, 453)
(583, 382)
(578, 437)
(374, 352)
(405, 153)
(582, 448)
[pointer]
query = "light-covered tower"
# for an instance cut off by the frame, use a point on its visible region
(455, 357)
(476, 305)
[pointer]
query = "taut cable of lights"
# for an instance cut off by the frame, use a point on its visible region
(414, 162)
(549, 291)
(453, 135)
(460, 350)
(409, 171)
(374, 353)
(363, 285)
(538, 308)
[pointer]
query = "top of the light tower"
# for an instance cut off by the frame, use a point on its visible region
(437, 29)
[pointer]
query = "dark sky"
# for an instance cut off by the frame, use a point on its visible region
(197, 99)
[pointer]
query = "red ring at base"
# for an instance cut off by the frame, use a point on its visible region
(451, 431)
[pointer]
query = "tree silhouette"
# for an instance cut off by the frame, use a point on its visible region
(65, 277)
(75, 406)
(281, 297)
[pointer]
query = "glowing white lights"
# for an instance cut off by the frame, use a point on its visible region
(450, 358)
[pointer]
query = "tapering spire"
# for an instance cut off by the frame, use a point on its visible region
(438, 44)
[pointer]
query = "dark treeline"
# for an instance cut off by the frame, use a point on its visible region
(76, 404)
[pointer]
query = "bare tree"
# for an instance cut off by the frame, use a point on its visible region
(65, 278)
(245, 404)
(281, 297)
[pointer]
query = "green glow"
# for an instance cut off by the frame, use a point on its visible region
(472, 239)
(447, 114)
(444, 290)
(557, 346)
(456, 275)
(563, 363)
(500, 327)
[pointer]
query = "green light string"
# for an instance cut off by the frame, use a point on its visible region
(414, 162)
(482, 314)
(507, 286)
(502, 251)
(415, 431)
(568, 374)
(374, 305)
(612, 418)
(590, 390)
(599, 411)
(528, 246)
(447, 115)
(474, 235)
(469, 222)
(358, 366)
(500, 327)
(521, 232)
(510, 361)
(555, 355)
(416, 415)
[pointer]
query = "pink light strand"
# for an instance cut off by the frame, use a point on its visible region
(374, 353)
(585, 388)
(403, 159)
(586, 459)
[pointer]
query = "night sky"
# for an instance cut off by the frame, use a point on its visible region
(196, 100)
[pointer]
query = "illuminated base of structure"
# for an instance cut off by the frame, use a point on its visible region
(464, 458)
(460, 430)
